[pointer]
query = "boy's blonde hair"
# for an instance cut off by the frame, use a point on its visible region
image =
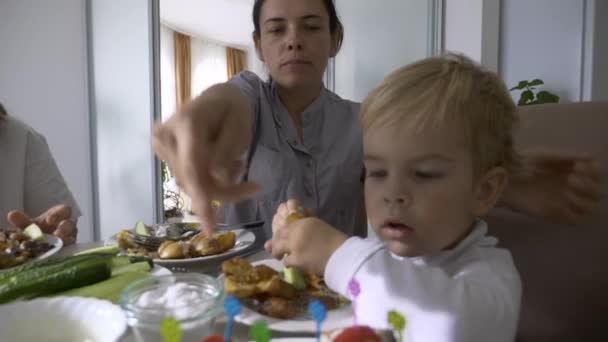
(444, 90)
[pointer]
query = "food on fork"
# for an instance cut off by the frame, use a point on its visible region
(199, 245)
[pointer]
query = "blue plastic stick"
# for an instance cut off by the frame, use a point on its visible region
(232, 306)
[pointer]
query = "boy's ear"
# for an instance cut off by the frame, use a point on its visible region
(488, 190)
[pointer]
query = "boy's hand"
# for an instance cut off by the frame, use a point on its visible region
(280, 219)
(307, 243)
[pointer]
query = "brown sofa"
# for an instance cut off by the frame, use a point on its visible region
(564, 269)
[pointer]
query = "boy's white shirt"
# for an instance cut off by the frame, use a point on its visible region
(469, 293)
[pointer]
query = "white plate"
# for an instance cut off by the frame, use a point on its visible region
(336, 319)
(51, 239)
(244, 239)
(160, 271)
(62, 319)
(57, 244)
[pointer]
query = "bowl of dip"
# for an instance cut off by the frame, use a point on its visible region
(188, 300)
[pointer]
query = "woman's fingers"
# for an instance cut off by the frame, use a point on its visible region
(18, 219)
(67, 231)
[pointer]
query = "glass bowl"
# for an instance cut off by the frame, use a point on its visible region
(193, 301)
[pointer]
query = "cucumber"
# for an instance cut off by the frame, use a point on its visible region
(6, 275)
(109, 289)
(114, 250)
(124, 260)
(142, 266)
(54, 278)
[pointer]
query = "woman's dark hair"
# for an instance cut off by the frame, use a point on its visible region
(335, 25)
(3, 112)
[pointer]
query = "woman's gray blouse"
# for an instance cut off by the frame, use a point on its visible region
(323, 171)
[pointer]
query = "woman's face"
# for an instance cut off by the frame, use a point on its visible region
(295, 41)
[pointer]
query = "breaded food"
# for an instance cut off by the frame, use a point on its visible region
(242, 290)
(278, 308)
(275, 287)
(236, 267)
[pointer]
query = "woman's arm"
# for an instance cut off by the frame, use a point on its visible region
(554, 185)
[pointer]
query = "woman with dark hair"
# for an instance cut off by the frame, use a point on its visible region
(31, 183)
(290, 137)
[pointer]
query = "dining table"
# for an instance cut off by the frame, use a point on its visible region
(240, 332)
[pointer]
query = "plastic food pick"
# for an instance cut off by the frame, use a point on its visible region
(355, 289)
(232, 308)
(259, 332)
(317, 311)
(170, 330)
(397, 321)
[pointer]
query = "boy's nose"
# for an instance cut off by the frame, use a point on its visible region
(394, 197)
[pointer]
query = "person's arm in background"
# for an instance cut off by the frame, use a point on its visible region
(554, 185)
(200, 144)
(47, 200)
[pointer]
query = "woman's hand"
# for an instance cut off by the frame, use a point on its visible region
(56, 220)
(203, 143)
(307, 243)
(557, 186)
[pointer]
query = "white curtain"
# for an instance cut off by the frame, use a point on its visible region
(167, 73)
(208, 65)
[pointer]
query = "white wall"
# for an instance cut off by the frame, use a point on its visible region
(378, 40)
(463, 23)
(543, 39)
(43, 81)
(122, 103)
(600, 51)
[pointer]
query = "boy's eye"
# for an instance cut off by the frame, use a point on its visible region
(425, 175)
(376, 173)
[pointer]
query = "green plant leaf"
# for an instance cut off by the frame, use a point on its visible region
(527, 96)
(547, 97)
(536, 82)
(521, 85)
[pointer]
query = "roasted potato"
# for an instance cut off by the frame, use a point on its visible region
(173, 250)
(206, 246)
(226, 240)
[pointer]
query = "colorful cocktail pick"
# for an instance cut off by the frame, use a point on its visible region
(259, 332)
(232, 306)
(397, 321)
(317, 311)
(355, 289)
(170, 330)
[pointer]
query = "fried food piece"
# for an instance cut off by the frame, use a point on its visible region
(276, 287)
(236, 267)
(123, 240)
(313, 281)
(330, 302)
(235, 287)
(278, 308)
(226, 240)
(260, 273)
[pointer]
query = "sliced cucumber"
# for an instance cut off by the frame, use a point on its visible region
(141, 229)
(113, 250)
(34, 232)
